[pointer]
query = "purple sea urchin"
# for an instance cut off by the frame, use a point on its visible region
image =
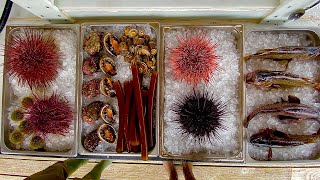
(33, 58)
(48, 115)
(200, 115)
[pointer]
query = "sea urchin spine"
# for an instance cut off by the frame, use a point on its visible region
(200, 116)
(48, 115)
(194, 59)
(33, 58)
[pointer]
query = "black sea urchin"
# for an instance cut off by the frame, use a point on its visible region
(200, 115)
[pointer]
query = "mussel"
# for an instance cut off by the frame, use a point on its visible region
(107, 114)
(107, 133)
(108, 66)
(106, 87)
(111, 44)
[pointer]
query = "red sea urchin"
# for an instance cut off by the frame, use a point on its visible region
(33, 58)
(200, 116)
(48, 115)
(194, 59)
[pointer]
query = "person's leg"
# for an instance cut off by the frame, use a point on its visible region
(59, 171)
(169, 167)
(73, 164)
(187, 171)
(95, 173)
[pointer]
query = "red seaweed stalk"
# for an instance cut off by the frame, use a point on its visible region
(140, 111)
(128, 96)
(133, 134)
(151, 94)
(119, 92)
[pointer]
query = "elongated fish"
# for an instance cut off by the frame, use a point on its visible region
(287, 53)
(278, 79)
(292, 109)
(277, 139)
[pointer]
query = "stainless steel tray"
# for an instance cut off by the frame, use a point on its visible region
(237, 32)
(314, 39)
(242, 158)
(8, 97)
(112, 154)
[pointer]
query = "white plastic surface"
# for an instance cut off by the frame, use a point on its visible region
(285, 9)
(230, 9)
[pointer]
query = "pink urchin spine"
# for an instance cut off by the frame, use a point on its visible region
(194, 59)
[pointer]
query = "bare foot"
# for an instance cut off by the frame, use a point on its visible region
(187, 171)
(169, 167)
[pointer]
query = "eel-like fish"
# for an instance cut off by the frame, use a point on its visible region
(286, 53)
(277, 79)
(277, 139)
(292, 109)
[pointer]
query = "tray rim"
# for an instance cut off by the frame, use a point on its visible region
(245, 162)
(278, 163)
(81, 150)
(4, 148)
(239, 157)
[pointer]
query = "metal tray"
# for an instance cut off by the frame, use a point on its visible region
(112, 154)
(8, 97)
(313, 37)
(237, 31)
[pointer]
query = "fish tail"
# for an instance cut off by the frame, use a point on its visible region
(316, 86)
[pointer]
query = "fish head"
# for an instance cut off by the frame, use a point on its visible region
(250, 77)
(258, 140)
(261, 138)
